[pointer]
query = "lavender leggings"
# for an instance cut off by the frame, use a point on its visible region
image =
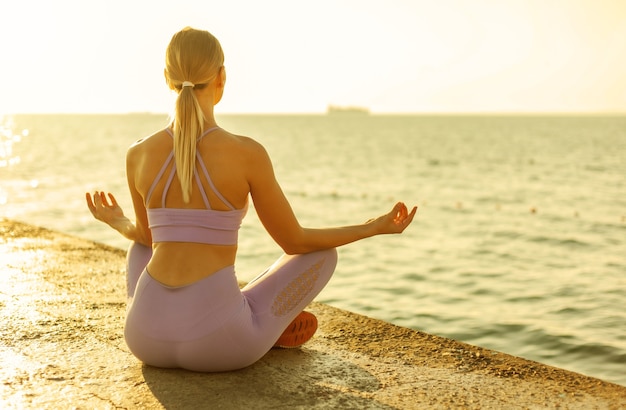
(212, 325)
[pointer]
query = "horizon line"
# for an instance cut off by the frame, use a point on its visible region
(325, 113)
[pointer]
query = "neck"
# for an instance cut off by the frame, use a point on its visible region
(206, 103)
(209, 121)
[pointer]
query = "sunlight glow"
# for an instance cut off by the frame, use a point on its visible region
(282, 56)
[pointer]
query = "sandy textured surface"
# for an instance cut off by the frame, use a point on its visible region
(62, 307)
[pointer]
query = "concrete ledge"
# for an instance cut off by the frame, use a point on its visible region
(62, 307)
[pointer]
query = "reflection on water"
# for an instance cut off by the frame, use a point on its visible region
(7, 140)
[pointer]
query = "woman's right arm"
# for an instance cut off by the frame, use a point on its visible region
(279, 220)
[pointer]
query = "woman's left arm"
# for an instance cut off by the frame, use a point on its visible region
(108, 210)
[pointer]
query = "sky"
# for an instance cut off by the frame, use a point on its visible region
(287, 56)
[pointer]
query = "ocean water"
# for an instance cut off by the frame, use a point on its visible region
(519, 244)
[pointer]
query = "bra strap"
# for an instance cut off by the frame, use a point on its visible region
(159, 175)
(213, 188)
(167, 185)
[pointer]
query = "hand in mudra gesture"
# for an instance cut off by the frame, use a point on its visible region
(105, 209)
(396, 220)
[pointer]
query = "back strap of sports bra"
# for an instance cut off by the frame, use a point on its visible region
(170, 178)
(159, 176)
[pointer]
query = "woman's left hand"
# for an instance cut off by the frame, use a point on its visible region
(103, 210)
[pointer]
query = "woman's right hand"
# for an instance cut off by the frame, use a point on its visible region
(396, 221)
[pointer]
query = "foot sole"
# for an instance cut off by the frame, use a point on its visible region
(299, 331)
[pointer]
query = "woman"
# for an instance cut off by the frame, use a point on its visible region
(190, 185)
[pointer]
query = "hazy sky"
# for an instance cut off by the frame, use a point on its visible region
(299, 56)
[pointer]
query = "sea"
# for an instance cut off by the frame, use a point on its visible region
(519, 243)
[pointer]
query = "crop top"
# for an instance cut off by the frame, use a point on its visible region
(207, 226)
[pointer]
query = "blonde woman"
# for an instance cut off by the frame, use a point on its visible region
(190, 185)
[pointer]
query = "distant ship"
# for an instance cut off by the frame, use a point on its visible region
(336, 110)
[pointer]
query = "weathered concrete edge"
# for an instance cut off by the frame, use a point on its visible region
(71, 346)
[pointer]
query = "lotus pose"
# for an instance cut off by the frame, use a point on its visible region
(190, 185)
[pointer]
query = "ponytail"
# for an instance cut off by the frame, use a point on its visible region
(188, 125)
(193, 56)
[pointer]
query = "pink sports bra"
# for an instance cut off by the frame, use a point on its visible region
(207, 226)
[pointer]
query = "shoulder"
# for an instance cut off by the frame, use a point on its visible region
(251, 157)
(246, 146)
(258, 164)
(147, 145)
(155, 140)
(253, 147)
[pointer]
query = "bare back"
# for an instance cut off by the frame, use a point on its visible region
(224, 156)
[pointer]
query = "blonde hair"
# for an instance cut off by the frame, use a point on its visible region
(195, 56)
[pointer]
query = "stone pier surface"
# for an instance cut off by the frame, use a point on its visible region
(62, 305)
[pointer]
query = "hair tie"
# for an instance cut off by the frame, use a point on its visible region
(188, 84)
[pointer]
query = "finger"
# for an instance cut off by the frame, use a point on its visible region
(401, 212)
(90, 204)
(404, 211)
(97, 200)
(113, 201)
(397, 208)
(105, 201)
(101, 201)
(410, 217)
(407, 218)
